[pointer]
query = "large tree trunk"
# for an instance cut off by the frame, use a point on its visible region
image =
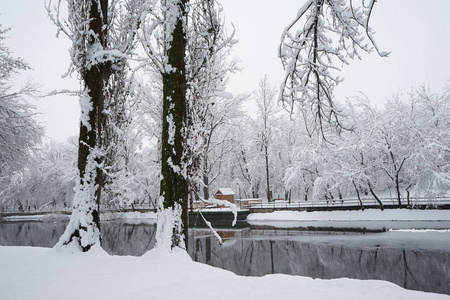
(174, 182)
(83, 230)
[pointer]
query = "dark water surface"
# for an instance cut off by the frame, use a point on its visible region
(411, 261)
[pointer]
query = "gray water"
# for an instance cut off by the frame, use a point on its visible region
(414, 263)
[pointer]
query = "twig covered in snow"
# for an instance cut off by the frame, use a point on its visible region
(232, 206)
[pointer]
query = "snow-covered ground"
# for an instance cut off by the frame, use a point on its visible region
(42, 273)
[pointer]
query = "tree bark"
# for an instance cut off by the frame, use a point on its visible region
(86, 214)
(174, 183)
(95, 79)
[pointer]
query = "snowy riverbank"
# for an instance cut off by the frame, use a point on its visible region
(370, 219)
(366, 215)
(41, 273)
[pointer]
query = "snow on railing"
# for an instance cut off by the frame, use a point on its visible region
(416, 202)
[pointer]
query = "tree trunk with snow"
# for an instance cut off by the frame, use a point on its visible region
(83, 230)
(174, 183)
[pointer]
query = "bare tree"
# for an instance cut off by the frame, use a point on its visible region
(187, 50)
(208, 67)
(93, 27)
(19, 131)
(265, 100)
(88, 31)
(219, 140)
(164, 40)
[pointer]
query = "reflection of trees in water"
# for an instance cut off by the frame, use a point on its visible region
(127, 239)
(412, 269)
(37, 234)
(117, 238)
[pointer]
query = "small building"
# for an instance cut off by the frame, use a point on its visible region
(225, 194)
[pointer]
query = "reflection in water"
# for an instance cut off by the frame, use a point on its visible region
(257, 252)
(29, 233)
(118, 237)
(413, 269)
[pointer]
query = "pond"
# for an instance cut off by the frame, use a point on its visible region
(419, 261)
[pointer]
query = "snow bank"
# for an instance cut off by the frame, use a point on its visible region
(366, 215)
(37, 217)
(41, 273)
(420, 230)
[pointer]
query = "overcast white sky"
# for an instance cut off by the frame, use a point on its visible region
(415, 31)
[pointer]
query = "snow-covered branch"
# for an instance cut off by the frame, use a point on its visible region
(333, 31)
